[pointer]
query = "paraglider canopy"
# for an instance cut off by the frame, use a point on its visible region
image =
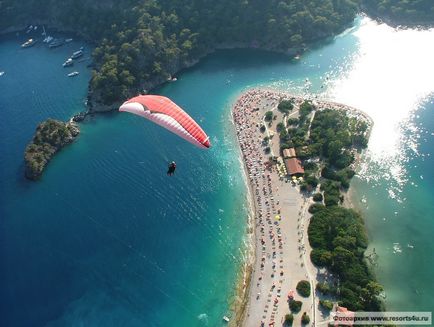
(166, 113)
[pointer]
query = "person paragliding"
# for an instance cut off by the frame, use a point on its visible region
(172, 167)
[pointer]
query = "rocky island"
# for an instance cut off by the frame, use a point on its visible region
(50, 137)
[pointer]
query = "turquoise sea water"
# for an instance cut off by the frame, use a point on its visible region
(401, 219)
(107, 239)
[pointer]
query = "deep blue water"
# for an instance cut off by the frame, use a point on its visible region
(106, 238)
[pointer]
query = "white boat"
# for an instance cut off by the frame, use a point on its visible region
(77, 54)
(73, 74)
(48, 39)
(225, 318)
(2, 73)
(68, 40)
(28, 43)
(68, 62)
(56, 43)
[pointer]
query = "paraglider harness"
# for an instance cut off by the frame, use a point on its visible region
(172, 167)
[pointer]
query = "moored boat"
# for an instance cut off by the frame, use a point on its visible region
(68, 62)
(56, 43)
(73, 74)
(28, 43)
(77, 54)
(48, 39)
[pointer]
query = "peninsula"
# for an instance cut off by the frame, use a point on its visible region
(299, 156)
(50, 137)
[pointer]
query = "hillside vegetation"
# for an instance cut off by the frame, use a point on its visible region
(405, 12)
(140, 44)
(50, 137)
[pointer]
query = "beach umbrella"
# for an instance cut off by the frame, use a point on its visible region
(291, 294)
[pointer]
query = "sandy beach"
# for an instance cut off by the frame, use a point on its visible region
(281, 247)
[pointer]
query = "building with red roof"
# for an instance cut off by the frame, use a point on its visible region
(293, 166)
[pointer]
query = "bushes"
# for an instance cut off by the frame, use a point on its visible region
(303, 187)
(305, 319)
(266, 140)
(286, 145)
(289, 319)
(338, 239)
(293, 121)
(295, 306)
(330, 200)
(323, 288)
(317, 197)
(285, 106)
(280, 127)
(310, 166)
(331, 193)
(315, 208)
(326, 304)
(312, 181)
(321, 258)
(305, 109)
(268, 116)
(303, 288)
(333, 131)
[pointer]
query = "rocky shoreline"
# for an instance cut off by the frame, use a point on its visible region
(50, 137)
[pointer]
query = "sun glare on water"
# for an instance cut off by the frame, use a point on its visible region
(389, 76)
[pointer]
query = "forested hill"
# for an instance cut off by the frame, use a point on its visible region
(406, 12)
(139, 44)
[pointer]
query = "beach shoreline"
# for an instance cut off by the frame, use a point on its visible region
(280, 251)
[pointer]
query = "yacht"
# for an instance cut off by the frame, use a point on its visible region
(77, 54)
(48, 39)
(73, 74)
(68, 63)
(28, 43)
(56, 43)
(68, 40)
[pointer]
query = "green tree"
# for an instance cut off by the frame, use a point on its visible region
(268, 116)
(289, 319)
(285, 106)
(295, 306)
(303, 288)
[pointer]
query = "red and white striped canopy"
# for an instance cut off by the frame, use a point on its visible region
(166, 113)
